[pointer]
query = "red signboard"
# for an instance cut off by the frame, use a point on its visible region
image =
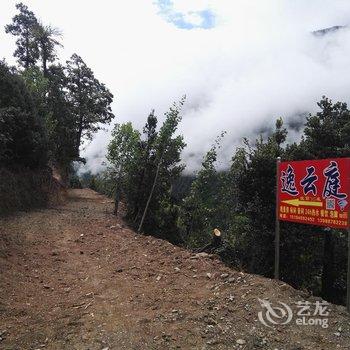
(315, 192)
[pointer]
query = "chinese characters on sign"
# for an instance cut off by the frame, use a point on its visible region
(315, 192)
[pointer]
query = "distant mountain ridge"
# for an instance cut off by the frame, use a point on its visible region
(322, 32)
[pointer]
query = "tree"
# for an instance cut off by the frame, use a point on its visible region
(90, 100)
(23, 136)
(142, 171)
(165, 169)
(147, 165)
(123, 148)
(51, 100)
(60, 120)
(327, 132)
(123, 155)
(22, 26)
(327, 136)
(48, 88)
(199, 207)
(46, 38)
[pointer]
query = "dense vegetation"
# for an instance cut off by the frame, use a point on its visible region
(46, 110)
(146, 166)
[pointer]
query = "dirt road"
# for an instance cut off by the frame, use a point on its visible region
(76, 277)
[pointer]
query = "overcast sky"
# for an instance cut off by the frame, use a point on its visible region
(240, 63)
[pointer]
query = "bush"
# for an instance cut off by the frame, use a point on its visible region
(25, 189)
(23, 140)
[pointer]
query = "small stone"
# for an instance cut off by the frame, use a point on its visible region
(337, 334)
(119, 270)
(224, 275)
(231, 280)
(240, 341)
(177, 269)
(209, 275)
(158, 278)
(199, 255)
(231, 297)
(2, 335)
(46, 286)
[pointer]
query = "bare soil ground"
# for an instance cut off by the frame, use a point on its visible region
(76, 277)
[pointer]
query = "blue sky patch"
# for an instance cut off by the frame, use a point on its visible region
(193, 19)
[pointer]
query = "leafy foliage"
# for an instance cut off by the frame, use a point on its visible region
(146, 166)
(57, 107)
(241, 202)
(47, 110)
(89, 99)
(22, 133)
(47, 40)
(23, 27)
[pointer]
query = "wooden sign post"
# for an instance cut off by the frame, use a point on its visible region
(348, 277)
(315, 192)
(277, 227)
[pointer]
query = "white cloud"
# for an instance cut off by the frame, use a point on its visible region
(259, 62)
(193, 18)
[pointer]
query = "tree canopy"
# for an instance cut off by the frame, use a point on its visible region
(60, 105)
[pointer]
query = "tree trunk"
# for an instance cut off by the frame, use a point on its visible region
(117, 195)
(26, 63)
(328, 273)
(137, 206)
(215, 243)
(81, 119)
(44, 65)
(80, 132)
(150, 195)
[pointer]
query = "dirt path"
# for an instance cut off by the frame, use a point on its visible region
(75, 277)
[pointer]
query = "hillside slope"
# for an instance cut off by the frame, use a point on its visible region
(75, 277)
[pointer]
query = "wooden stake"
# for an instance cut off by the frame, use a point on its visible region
(150, 195)
(215, 242)
(277, 223)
